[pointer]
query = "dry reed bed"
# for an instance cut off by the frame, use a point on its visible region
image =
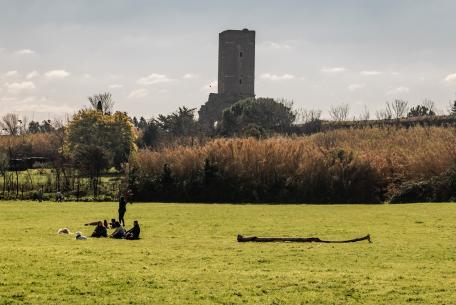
(396, 155)
(45, 145)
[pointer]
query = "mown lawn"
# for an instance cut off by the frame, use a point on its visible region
(189, 255)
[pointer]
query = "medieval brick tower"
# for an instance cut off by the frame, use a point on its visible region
(236, 70)
(236, 74)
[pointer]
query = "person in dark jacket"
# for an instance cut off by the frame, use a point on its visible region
(114, 224)
(134, 232)
(122, 210)
(100, 230)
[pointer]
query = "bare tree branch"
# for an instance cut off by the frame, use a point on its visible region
(340, 112)
(304, 116)
(365, 114)
(399, 108)
(430, 105)
(102, 102)
(10, 124)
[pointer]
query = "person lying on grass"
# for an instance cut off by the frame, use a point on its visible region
(134, 232)
(100, 230)
(95, 223)
(119, 231)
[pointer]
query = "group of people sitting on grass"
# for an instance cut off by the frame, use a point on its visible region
(101, 230)
(101, 227)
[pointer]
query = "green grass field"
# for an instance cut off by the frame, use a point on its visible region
(188, 254)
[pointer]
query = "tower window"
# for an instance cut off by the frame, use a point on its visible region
(240, 54)
(240, 81)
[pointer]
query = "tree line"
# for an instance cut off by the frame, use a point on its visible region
(99, 141)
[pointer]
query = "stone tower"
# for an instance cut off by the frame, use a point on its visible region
(236, 70)
(236, 74)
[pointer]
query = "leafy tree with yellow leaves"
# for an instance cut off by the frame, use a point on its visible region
(96, 141)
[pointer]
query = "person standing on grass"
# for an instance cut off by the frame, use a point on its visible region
(122, 210)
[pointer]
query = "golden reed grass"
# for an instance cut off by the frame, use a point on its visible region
(45, 145)
(397, 154)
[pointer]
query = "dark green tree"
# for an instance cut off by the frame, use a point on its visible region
(142, 123)
(180, 123)
(46, 126)
(420, 110)
(262, 114)
(135, 122)
(92, 160)
(149, 135)
(34, 127)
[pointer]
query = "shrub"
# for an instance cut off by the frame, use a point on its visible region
(436, 189)
(252, 170)
(362, 165)
(257, 116)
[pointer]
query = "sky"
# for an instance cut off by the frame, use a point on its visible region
(154, 56)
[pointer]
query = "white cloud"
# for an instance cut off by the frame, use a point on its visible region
(370, 73)
(333, 69)
(154, 78)
(11, 73)
(7, 99)
(42, 105)
(32, 74)
(25, 52)
(17, 86)
(354, 87)
(138, 93)
(46, 108)
(113, 76)
(450, 77)
(274, 45)
(86, 75)
(399, 90)
(274, 77)
(57, 74)
(115, 86)
(190, 76)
